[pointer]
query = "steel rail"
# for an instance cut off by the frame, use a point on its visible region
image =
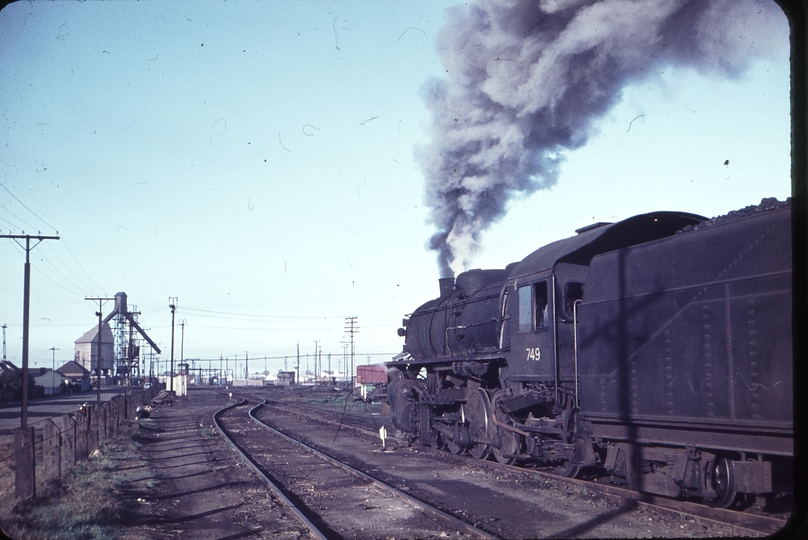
(745, 522)
(272, 485)
(416, 502)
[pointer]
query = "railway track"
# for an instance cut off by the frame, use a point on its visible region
(743, 522)
(330, 498)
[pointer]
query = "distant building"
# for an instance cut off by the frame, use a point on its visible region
(87, 350)
(52, 382)
(286, 378)
(76, 377)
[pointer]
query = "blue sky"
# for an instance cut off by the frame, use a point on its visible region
(255, 160)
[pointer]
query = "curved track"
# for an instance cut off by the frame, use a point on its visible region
(746, 522)
(330, 498)
(276, 489)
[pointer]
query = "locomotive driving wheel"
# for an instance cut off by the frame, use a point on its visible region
(478, 408)
(723, 482)
(508, 442)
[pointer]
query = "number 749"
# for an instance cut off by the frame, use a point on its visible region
(533, 353)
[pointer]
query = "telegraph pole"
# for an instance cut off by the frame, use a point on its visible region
(172, 303)
(4, 342)
(98, 356)
(344, 358)
(182, 339)
(316, 341)
(246, 369)
(298, 363)
(53, 361)
(25, 313)
(351, 328)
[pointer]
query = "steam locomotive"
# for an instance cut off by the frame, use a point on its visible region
(656, 350)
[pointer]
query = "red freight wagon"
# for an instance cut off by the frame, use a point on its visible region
(375, 374)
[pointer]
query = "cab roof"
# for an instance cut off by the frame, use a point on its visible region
(605, 237)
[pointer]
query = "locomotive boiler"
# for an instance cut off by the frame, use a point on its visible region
(656, 350)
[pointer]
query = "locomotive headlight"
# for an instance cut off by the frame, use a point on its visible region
(402, 332)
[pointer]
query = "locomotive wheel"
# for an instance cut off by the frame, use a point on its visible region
(723, 483)
(454, 447)
(477, 410)
(508, 440)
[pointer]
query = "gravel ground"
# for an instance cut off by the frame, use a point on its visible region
(177, 478)
(194, 485)
(509, 504)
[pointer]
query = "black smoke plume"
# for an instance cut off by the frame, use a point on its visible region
(526, 80)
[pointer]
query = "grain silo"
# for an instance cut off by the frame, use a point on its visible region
(87, 350)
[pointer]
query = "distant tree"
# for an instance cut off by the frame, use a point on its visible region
(11, 383)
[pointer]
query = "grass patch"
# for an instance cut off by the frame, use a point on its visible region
(89, 504)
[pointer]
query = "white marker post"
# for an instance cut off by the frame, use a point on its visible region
(382, 435)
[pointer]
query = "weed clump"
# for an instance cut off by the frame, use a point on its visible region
(87, 505)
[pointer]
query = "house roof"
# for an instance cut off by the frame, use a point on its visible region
(49, 375)
(8, 366)
(92, 335)
(73, 369)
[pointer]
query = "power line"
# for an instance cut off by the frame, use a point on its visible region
(260, 315)
(98, 287)
(76, 279)
(24, 206)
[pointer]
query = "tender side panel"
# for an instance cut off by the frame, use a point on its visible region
(695, 328)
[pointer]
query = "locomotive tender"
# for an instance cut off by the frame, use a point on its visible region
(658, 349)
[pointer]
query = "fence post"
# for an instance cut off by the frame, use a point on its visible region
(112, 415)
(101, 415)
(81, 436)
(51, 453)
(112, 423)
(92, 429)
(68, 442)
(117, 406)
(24, 478)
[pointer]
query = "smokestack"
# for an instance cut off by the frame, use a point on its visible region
(446, 286)
(526, 80)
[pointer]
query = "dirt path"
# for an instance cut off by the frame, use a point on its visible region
(175, 477)
(194, 486)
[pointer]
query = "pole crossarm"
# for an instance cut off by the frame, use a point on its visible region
(29, 237)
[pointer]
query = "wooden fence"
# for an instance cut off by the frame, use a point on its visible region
(69, 439)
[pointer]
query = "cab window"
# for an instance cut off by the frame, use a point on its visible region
(542, 305)
(533, 307)
(525, 309)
